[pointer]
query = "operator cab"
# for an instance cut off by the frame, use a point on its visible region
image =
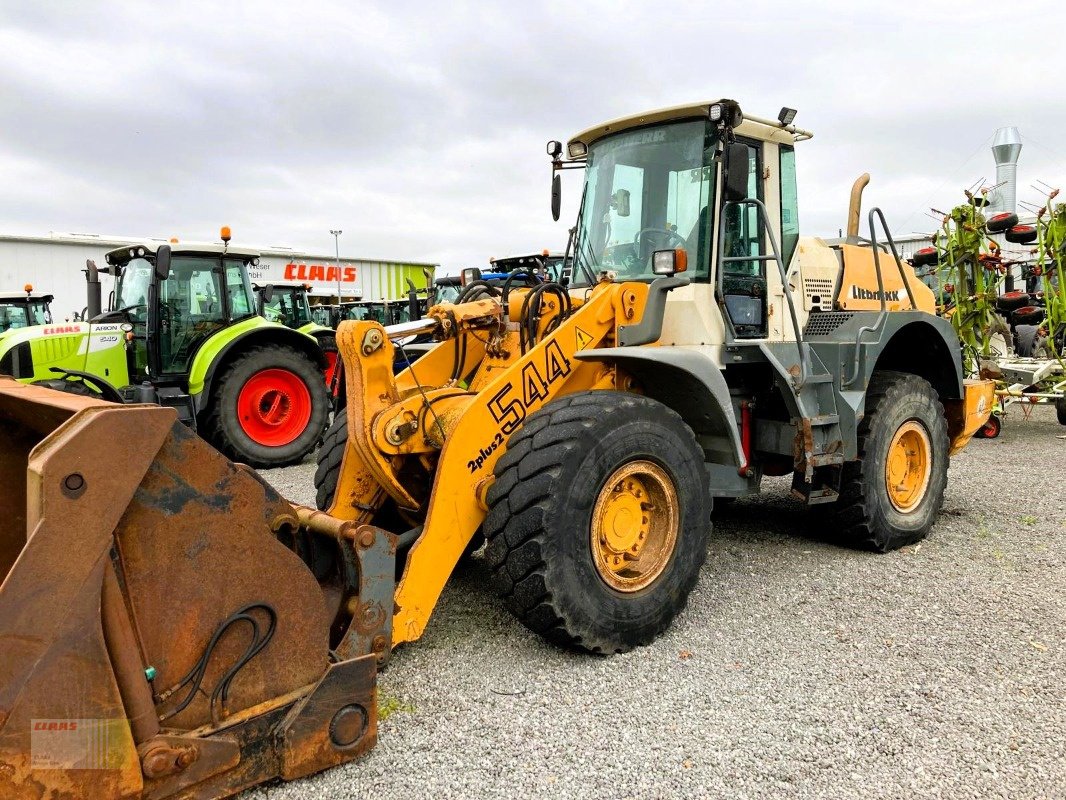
(205, 289)
(661, 182)
(285, 304)
(24, 309)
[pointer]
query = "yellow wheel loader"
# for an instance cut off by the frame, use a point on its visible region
(172, 628)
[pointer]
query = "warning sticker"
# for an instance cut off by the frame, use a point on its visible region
(583, 339)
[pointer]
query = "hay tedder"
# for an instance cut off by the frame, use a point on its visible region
(171, 627)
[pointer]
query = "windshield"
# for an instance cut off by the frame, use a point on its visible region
(131, 293)
(446, 292)
(646, 190)
(23, 315)
(289, 307)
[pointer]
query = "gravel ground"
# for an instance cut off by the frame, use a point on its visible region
(799, 669)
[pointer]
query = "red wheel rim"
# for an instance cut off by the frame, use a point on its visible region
(331, 366)
(274, 407)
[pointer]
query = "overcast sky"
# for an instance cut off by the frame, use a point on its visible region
(418, 128)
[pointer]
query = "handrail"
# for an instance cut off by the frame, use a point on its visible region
(883, 314)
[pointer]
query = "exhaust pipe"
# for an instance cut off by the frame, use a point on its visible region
(93, 301)
(855, 206)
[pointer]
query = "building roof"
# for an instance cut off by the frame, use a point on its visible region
(112, 241)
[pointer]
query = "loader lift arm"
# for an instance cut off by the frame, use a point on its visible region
(423, 429)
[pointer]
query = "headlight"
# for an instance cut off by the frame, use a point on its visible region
(577, 149)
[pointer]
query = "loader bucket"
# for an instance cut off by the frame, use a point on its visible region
(157, 637)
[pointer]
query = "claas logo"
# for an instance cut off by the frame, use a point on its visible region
(52, 725)
(320, 273)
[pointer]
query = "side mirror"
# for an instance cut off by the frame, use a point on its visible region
(267, 293)
(736, 172)
(620, 202)
(162, 262)
(557, 196)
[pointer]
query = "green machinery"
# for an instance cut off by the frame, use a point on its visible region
(24, 309)
(288, 305)
(183, 331)
(1013, 336)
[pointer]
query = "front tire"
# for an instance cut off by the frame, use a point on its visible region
(598, 520)
(891, 496)
(1060, 410)
(269, 407)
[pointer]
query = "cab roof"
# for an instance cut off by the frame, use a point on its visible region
(123, 255)
(755, 127)
(7, 297)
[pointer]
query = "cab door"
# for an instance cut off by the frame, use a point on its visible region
(742, 260)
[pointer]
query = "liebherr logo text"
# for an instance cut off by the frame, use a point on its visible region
(509, 409)
(858, 293)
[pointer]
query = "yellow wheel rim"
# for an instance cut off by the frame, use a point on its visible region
(634, 526)
(909, 466)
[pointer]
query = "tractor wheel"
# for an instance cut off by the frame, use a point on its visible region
(1028, 315)
(269, 408)
(1021, 234)
(924, 257)
(328, 343)
(891, 496)
(598, 520)
(992, 428)
(1002, 222)
(1008, 301)
(70, 386)
(1060, 410)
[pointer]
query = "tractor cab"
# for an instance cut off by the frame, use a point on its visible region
(174, 303)
(24, 309)
(285, 304)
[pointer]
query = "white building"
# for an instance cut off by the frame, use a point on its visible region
(55, 264)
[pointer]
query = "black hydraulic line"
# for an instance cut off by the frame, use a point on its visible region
(531, 279)
(194, 677)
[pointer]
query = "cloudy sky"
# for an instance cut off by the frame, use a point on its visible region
(418, 128)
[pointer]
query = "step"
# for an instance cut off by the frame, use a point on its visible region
(824, 419)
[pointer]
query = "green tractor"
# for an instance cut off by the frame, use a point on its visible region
(24, 309)
(288, 305)
(183, 331)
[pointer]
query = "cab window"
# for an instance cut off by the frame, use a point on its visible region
(789, 204)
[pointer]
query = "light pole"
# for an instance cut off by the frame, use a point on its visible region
(337, 250)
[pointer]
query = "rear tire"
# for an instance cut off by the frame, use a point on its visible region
(570, 549)
(1060, 410)
(269, 407)
(903, 414)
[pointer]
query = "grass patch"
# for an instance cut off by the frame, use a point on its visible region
(387, 706)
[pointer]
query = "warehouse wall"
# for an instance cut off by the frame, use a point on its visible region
(56, 265)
